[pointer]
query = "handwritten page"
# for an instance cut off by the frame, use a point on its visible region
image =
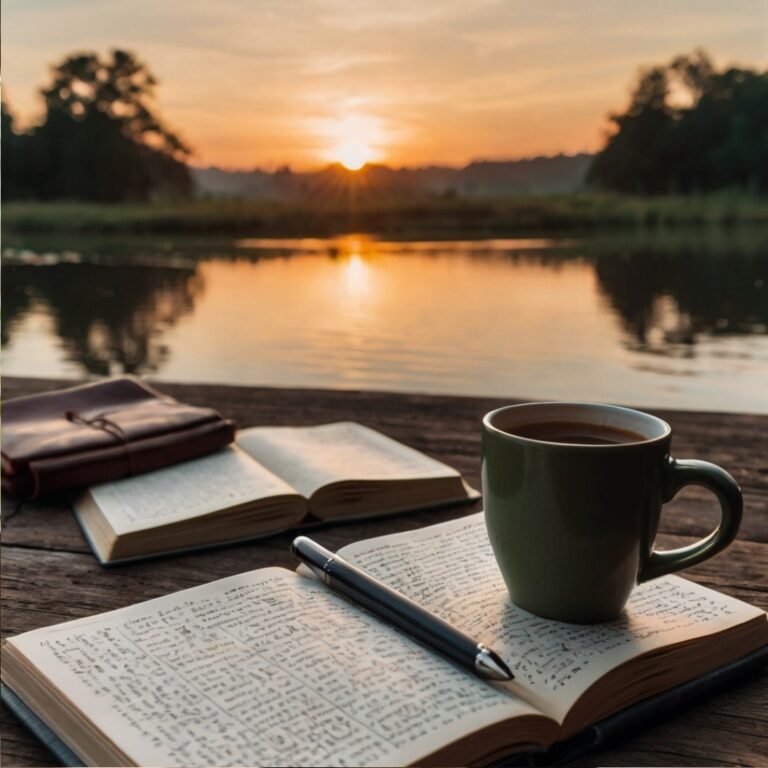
(450, 568)
(311, 457)
(263, 668)
(220, 480)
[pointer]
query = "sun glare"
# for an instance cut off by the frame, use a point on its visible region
(353, 140)
(353, 154)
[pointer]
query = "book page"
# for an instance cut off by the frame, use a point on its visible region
(262, 668)
(219, 480)
(450, 569)
(311, 457)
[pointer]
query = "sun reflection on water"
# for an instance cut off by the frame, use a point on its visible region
(517, 318)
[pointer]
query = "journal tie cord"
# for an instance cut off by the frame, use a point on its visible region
(110, 427)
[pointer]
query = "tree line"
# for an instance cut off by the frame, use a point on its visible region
(689, 128)
(101, 138)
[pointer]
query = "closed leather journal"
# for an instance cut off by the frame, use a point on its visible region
(98, 432)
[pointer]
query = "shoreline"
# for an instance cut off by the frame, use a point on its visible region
(308, 391)
(438, 217)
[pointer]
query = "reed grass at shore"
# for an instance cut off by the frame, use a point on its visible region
(395, 218)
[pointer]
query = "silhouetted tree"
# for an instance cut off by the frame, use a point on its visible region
(634, 158)
(119, 326)
(101, 138)
(689, 128)
(15, 162)
(664, 311)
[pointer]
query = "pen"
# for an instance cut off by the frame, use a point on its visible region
(400, 611)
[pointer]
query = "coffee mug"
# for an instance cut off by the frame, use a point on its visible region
(573, 495)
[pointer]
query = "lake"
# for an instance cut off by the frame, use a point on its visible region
(677, 320)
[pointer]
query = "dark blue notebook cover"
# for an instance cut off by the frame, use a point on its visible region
(627, 721)
(63, 753)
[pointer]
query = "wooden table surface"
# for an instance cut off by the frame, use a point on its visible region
(49, 574)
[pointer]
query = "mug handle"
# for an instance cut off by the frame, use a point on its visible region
(694, 472)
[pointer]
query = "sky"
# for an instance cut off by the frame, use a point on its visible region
(262, 83)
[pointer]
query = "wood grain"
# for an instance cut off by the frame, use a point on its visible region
(49, 574)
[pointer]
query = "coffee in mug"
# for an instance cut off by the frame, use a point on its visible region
(578, 433)
(573, 494)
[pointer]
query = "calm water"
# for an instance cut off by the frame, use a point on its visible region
(680, 322)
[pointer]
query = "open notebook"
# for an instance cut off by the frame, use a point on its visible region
(271, 668)
(274, 479)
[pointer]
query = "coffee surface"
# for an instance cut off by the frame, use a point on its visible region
(577, 433)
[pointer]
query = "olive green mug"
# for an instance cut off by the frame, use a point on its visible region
(572, 523)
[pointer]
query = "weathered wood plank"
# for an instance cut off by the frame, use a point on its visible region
(447, 428)
(49, 575)
(19, 747)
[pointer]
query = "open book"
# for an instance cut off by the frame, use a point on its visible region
(274, 479)
(272, 668)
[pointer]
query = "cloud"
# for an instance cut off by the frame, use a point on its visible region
(248, 82)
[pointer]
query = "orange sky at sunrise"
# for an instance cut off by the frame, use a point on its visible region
(262, 83)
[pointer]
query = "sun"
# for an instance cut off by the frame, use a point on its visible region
(353, 154)
(353, 139)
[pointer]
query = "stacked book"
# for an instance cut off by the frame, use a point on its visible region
(98, 432)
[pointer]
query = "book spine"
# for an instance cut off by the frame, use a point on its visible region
(38, 728)
(651, 710)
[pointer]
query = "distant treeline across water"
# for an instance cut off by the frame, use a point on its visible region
(689, 129)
